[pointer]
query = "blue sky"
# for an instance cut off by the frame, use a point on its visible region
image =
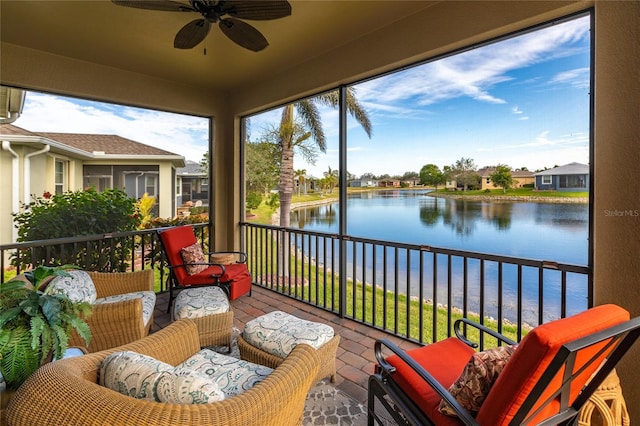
(523, 102)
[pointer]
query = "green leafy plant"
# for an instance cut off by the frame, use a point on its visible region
(34, 326)
(73, 214)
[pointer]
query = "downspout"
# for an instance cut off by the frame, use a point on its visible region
(27, 172)
(15, 184)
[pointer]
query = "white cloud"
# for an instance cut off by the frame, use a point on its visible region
(176, 133)
(473, 73)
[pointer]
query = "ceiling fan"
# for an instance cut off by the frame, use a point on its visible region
(212, 11)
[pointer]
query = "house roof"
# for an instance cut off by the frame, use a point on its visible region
(90, 145)
(487, 171)
(567, 169)
(191, 168)
(109, 144)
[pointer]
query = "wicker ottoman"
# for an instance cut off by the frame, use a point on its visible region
(267, 340)
(209, 308)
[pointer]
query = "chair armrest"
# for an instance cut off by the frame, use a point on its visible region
(388, 370)
(242, 256)
(460, 335)
(113, 324)
(183, 265)
(112, 283)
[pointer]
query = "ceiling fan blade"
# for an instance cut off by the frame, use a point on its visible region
(256, 10)
(163, 5)
(192, 34)
(243, 34)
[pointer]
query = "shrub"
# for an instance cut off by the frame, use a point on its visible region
(71, 214)
(253, 200)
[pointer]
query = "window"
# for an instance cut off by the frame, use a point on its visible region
(150, 185)
(60, 177)
(547, 179)
(573, 181)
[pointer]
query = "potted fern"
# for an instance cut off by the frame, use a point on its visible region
(34, 326)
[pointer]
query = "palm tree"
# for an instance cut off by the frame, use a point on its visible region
(331, 179)
(307, 111)
(300, 173)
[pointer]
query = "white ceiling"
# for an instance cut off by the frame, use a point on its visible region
(141, 41)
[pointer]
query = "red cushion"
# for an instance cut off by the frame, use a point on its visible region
(236, 273)
(173, 240)
(444, 360)
(534, 354)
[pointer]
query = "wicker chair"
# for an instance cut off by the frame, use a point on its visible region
(118, 323)
(67, 391)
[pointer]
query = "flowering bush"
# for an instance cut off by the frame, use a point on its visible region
(72, 214)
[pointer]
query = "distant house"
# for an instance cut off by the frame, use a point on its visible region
(34, 163)
(410, 182)
(363, 183)
(193, 183)
(389, 183)
(570, 177)
(520, 178)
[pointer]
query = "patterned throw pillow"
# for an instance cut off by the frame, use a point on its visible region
(193, 254)
(78, 286)
(143, 377)
(233, 376)
(475, 381)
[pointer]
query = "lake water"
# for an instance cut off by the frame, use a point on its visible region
(543, 231)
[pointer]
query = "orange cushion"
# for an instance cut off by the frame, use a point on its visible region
(236, 273)
(173, 240)
(534, 354)
(444, 360)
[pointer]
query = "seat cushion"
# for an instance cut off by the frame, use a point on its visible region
(445, 360)
(144, 377)
(148, 302)
(78, 286)
(200, 302)
(233, 376)
(534, 354)
(278, 333)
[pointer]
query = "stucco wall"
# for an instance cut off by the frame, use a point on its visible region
(617, 156)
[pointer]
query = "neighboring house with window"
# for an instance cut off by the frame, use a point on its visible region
(389, 183)
(192, 184)
(363, 183)
(520, 178)
(570, 177)
(34, 163)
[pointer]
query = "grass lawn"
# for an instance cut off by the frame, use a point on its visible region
(517, 192)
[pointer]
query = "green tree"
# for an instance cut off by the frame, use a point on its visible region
(464, 172)
(431, 175)
(502, 178)
(262, 166)
(300, 177)
(72, 214)
(308, 114)
(330, 179)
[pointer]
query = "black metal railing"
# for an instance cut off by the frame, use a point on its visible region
(413, 291)
(114, 252)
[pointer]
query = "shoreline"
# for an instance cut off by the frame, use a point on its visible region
(522, 198)
(275, 217)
